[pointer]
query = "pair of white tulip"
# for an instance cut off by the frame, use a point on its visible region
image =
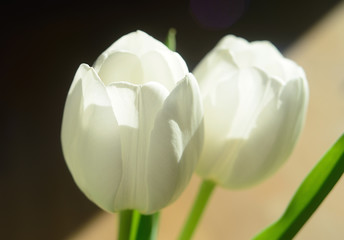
(136, 125)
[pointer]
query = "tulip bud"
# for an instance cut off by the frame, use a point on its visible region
(132, 126)
(255, 103)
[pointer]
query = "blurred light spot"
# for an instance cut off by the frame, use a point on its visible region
(218, 14)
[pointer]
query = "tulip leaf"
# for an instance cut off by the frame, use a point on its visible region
(309, 195)
(170, 41)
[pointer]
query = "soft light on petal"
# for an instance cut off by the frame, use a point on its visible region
(135, 108)
(166, 68)
(175, 144)
(252, 91)
(120, 66)
(232, 43)
(278, 126)
(222, 68)
(90, 139)
(137, 42)
(255, 102)
(132, 126)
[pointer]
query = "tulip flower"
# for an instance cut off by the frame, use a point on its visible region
(255, 103)
(133, 125)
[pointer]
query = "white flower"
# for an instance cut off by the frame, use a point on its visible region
(255, 103)
(132, 126)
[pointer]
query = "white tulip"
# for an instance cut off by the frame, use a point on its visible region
(132, 127)
(255, 103)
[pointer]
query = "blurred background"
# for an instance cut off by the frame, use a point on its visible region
(42, 45)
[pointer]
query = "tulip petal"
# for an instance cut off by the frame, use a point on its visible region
(165, 67)
(232, 43)
(260, 54)
(135, 108)
(119, 118)
(90, 138)
(222, 68)
(258, 99)
(292, 71)
(265, 51)
(270, 143)
(175, 144)
(136, 42)
(220, 108)
(122, 62)
(256, 93)
(263, 55)
(119, 66)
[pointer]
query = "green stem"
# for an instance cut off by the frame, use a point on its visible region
(124, 224)
(195, 215)
(170, 41)
(135, 223)
(155, 226)
(148, 229)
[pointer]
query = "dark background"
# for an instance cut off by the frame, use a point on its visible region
(42, 45)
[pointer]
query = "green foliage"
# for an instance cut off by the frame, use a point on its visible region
(124, 224)
(309, 195)
(148, 228)
(170, 41)
(197, 210)
(144, 227)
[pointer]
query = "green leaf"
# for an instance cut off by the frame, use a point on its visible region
(170, 41)
(309, 195)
